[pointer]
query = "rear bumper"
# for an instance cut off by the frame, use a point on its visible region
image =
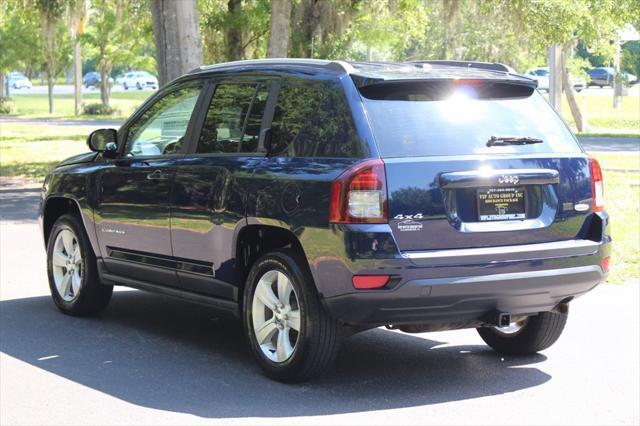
(465, 299)
(461, 287)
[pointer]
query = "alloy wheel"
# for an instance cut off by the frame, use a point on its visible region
(67, 265)
(276, 316)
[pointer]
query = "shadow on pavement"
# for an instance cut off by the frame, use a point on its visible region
(169, 355)
(19, 204)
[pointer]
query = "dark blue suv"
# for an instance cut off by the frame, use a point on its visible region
(315, 199)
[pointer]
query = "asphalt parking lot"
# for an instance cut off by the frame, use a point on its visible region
(153, 360)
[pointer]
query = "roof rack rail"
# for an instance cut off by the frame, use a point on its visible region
(336, 65)
(491, 66)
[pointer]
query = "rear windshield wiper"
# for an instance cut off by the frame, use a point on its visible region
(512, 140)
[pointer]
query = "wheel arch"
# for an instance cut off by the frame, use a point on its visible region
(56, 206)
(255, 240)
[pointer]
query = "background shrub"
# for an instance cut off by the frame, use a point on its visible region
(99, 109)
(7, 106)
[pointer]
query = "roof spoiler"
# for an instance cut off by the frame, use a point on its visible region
(491, 66)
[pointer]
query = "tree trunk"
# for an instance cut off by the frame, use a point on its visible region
(279, 35)
(76, 24)
(1, 84)
(569, 93)
(235, 52)
(450, 29)
(105, 87)
(77, 76)
(177, 35)
(48, 28)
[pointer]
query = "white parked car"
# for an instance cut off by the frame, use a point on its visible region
(17, 80)
(140, 80)
(541, 75)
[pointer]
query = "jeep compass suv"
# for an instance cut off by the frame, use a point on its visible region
(315, 199)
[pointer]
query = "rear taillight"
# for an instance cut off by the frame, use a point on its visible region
(597, 185)
(359, 195)
(604, 264)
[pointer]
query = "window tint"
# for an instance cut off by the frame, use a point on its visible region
(234, 118)
(313, 121)
(413, 125)
(161, 129)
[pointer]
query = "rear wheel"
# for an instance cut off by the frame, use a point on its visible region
(527, 336)
(72, 269)
(291, 336)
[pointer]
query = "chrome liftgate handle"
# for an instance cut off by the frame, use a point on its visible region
(498, 178)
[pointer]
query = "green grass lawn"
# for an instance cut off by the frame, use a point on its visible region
(622, 201)
(29, 151)
(35, 106)
(603, 118)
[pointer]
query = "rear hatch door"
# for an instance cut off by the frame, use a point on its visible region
(476, 164)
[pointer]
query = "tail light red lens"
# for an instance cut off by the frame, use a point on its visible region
(597, 185)
(604, 264)
(368, 282)
(359, 195)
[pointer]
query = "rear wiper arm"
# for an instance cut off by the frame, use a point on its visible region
(512, 140)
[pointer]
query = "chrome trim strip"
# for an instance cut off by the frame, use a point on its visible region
(577, 247)
(496, 177)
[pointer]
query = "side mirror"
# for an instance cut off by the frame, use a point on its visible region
(104, 140)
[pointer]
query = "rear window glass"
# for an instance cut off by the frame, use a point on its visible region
(424, 120)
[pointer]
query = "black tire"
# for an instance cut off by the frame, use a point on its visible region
(93, 297)
(318, 340)
(538, 333)
(138, 86)
(125, 87)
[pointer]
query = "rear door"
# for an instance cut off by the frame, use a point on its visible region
(450, 187)
(210, 190)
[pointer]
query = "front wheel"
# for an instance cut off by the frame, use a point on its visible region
(291, 335)
(526, 336)
(72, 269)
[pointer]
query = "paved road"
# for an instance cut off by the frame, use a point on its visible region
(60, 122)
(597, 143)
(153, 360)
(67, 89)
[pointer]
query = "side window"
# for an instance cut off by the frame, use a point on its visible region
(234, 118)
(313, 121)
(161, 129)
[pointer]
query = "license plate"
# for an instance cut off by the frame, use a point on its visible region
(501, 204)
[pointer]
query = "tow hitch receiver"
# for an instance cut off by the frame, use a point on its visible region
(504, 319)
(498, 319)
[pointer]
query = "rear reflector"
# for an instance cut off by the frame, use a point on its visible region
(605, 263)
(370, 281)
(597, 185)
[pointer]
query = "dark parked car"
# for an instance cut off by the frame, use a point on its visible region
(93, 79)
(315, 199)
(603, 76)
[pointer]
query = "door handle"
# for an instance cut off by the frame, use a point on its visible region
(158, 175)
